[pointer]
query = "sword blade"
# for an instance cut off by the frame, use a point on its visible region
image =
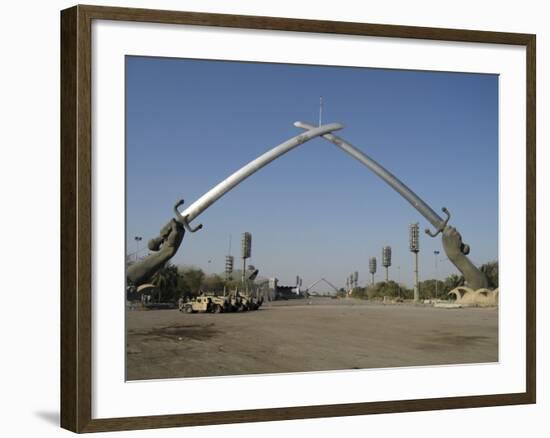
(215, 193)
(394, 182)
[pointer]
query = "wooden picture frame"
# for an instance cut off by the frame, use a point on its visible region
(76, 218)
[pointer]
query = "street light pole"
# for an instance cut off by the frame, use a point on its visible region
(137, 239)
(436, 253)
(414, 246)
(372, 268)
(386, 260)
(399, 281)
(246, 252)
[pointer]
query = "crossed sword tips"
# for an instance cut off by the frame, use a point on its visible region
(311, 131)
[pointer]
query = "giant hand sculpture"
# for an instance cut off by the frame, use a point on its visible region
(456, 250)
(164, 247)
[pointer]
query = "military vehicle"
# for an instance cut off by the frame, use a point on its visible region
(251, 303)
(209, 303)
(242, 302)
(236, 302)
(205, 304)
(199, 304)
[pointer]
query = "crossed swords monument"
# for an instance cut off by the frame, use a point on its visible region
(166, 244)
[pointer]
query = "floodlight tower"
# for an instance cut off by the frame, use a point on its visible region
(356, 278)
(386, 260)
(350, 283)
(372, 268)
(436, 253)
(228, 271)
(246, 252)
(229, 260)
(414, 246)
(137, 239)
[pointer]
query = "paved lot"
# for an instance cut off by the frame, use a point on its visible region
(314, 335)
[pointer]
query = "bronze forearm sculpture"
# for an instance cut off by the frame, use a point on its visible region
(456, 252)
(163, 248)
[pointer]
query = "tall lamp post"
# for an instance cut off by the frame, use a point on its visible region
(228, 271)
(386, 260)
(372, 268)
(414, 246)
(399, 281)
(137, 239)
(246, 252)
(436, 253)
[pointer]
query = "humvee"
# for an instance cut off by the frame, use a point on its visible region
(206, 303)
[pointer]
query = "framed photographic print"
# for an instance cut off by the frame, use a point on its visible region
(243, 205)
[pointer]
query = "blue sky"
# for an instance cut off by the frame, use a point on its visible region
(315, 211)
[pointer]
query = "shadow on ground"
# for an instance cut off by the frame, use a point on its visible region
(51, 417)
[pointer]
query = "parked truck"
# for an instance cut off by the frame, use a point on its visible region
(211, 303)
(206, 304)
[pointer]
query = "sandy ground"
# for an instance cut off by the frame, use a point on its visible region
(319, 334)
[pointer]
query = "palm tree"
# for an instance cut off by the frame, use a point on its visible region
(193, 278)
(165, 279)
(453, 281)
(490, 270)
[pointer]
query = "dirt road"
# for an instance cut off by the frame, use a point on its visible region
(314, 335)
